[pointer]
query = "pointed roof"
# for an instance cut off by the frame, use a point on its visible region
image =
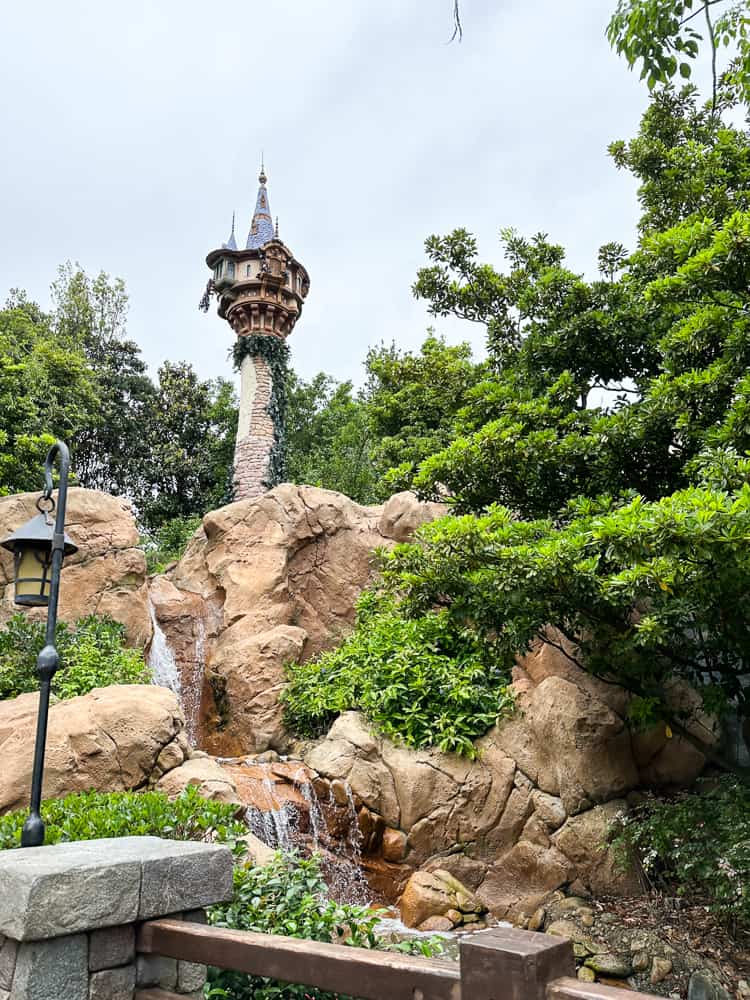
(261, 227)
(231, 243)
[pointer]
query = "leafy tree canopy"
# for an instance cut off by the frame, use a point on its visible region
(597, 460)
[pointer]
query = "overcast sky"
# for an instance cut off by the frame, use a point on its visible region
(131, 130)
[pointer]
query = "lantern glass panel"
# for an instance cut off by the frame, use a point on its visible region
(33, 577)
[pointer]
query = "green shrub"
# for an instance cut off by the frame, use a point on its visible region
(419, 680)
(94, 815)
(92, 653)
(290, 897)
(696, 844)
(168, 542)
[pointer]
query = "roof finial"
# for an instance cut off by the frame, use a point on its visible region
(231, 243)
(276, 230)
(262, 176)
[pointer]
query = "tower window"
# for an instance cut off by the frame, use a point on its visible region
(219, 266)
(249, 270)
(230, 268)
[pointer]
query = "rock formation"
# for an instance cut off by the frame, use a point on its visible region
(265, 581)
(276, 578)
(113, 739)
(531, 814)
(107, 576)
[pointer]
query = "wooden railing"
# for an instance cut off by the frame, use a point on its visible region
(496, 964)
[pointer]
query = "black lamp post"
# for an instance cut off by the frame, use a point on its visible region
(39, 548)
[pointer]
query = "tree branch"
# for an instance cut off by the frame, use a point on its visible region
(458, 31)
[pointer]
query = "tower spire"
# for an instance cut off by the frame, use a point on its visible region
(261, 227)
(231, 243)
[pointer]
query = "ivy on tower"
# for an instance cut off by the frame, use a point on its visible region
(260, 291)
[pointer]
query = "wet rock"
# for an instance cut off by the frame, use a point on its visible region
(394, 845)
(586, 975)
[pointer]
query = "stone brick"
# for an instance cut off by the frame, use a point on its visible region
(8, 952)
(155, 970)
(52, 970)
(66, 888)
(190, 977)
(113, 984)
(187, 877)
(111, 947)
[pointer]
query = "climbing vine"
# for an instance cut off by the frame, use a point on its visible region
(275, 353)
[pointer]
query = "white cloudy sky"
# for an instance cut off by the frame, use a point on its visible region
(130, 130)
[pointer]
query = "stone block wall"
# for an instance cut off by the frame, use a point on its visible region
(69, 915)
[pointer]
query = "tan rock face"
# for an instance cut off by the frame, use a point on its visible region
(276, 578)
(107, 740)
(435, 894)
(108, 573)
(212, 780)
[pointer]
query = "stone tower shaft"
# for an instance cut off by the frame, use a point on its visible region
(260, 290)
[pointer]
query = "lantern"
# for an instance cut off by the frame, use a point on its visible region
(31, 546)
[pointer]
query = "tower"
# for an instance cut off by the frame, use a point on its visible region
(261, 289)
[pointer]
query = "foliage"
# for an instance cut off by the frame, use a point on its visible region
(275, 353)
(92, 653)
(645, 592)
(697, 844)
(192, 427)
(95, 815)
(288, 896)
(412, 400)
(169, 541)
(328, 437)
(662, 36)
(73, 374)
(46, 391)
(418, 678)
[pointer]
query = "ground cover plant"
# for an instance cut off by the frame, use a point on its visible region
(92, 652)
(696, 844)
(290, 897)
(95, 815)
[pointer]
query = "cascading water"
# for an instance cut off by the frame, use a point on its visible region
(166, 672)
(161, 658)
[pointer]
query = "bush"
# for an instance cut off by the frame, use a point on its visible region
(419, 680)
(289, 897)
(94, 815)
(92, 653)
(168, 542)
(697, 844)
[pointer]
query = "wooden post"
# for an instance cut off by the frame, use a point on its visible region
(506, 964)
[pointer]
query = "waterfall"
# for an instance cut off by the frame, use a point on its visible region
(166, 672)
(161, 659)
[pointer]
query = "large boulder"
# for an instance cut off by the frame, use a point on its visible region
(113, 739)
(271, 579)
(107, 576)
(437, 894)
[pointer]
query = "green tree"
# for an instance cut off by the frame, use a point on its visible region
(47, 390)
(328, 437)
(111, 449)
(663, 36)
(621, 522)
(191, 428)
(412, 402)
